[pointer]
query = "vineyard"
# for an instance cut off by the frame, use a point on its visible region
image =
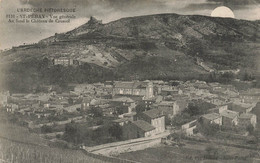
(19, 145)
(13, 152)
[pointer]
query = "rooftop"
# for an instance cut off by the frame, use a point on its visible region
(121, 120)
(245, 105)
(229, 114)
(211, 116)
(153, 113)
(240, 107)
(246, 116)
(130, 84)
(167, 103)
(123, 99)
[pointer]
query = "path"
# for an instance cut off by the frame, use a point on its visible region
(127, 146)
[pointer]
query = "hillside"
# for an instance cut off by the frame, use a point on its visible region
(163, 46)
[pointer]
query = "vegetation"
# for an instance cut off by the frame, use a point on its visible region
(193, 151)
(208, 129)
(141, 108)
(25, 153)
(96, 112)
(78, 134)
(194, 109)
(36, 73)
(214, 153)
(140, 52)
(46, 129)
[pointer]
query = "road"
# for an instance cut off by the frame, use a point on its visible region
(127, 146)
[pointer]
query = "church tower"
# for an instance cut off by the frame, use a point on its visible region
(149, 90)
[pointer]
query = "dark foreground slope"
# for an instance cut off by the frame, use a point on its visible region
(164, 46)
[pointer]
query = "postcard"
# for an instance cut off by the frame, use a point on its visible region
(130, 81)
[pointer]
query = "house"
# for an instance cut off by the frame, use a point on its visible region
(211, 118)
(246, 119)
(156, 118)
(131, 116)
(251, 95)
(98, 102)
(134, 88)
(123, 104)
(121, 121)
(4, 98)
(219, 109)
(189, 124)
(12, 108)
(85, 104)
(73, 108)
(218, 100)
(170, 91)
(138, 129)
(222, 108)
(25, 111)
(189, 127)
(229, 118)
(122, 101)
(65, 61)
(170, 108)
(241, 107)
(41, 114)
(190, 131)
(148, 103)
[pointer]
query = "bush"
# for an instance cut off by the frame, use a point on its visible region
(208, 129)
(46, 129)
(116, 131)
(214, 153)
(97, 112)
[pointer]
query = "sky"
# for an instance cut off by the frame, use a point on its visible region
(14, 34)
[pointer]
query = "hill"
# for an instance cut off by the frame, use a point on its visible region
(164, 46)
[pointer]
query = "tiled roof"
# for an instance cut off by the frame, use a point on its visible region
(73, 107)
(167, 103)
(129, 85)
(121, 120)
(123, 99)
(244, 105)
(239, 107)
(246, 116)
(211, 116)
(143, 125)
(229, 114)
(153, 113)
(86, 100)
(124, 84)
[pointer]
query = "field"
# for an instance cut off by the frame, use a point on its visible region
(24, 153)
(192, 152)
(18, 145)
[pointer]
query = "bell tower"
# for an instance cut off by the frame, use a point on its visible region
(149, 90)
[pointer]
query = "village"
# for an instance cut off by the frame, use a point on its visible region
(133, 111)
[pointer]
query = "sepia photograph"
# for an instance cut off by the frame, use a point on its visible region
(129, 81)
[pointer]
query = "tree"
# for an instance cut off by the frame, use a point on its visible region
(70, 101)
(209, 129)
(73, 133)
(250, 129)
(116, 131)
(46, 129)
(181, 119)
(97, 112)
(212, 152)
(192, 109)
(141, 108)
